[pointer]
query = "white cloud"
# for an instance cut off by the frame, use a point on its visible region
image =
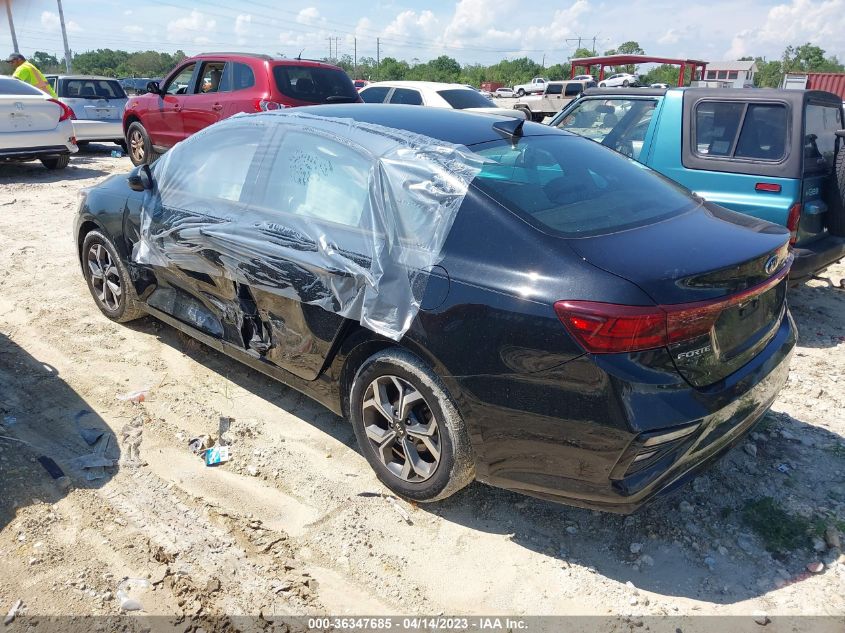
(309, 15)
(50, 22)
(194, 27)
(795, 22)
(242, 27)
(410, 24)
(672, 36)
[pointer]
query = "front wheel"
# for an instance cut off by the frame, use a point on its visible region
(408, 427)
(602, 85)
(140, 147)
(520, 93)
(59, 162)
(626, 83)
(108, 280)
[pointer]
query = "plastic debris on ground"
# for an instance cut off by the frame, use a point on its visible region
(13, 613)
(135, 396)
(51, 467)
(9, 420)
(216, 455)
(131, 435)
(400, 510)
(130, 592)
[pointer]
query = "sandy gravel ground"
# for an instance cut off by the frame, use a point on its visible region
(296, 523)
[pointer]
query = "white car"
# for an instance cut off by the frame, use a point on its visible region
(503, 92)
(583, 78)
(34, 126)
(619, 79)
(435, 95)
(97, 103)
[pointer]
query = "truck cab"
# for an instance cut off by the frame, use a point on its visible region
(555, 96)
(767, 153)
(535, 86)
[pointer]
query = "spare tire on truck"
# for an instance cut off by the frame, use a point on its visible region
(836, 199)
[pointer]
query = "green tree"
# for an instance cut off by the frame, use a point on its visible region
(626, 48)
(46, 62)
(558, 71)
(809, 58)
(392, 69)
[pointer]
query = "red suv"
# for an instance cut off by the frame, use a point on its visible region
(207, 88)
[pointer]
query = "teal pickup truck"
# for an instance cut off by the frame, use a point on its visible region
(773, 154)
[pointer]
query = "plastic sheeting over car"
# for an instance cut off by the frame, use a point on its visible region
(345, 215)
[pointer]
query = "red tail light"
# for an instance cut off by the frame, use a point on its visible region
(768, 187)
(262, 105)
(609, 328)
(66, 114)
(792, 222)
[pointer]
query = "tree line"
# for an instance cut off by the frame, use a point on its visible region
(117, 63)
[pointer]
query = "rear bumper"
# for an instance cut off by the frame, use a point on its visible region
(602, 479)
(93, 130)
(15, 154)
(815, 257)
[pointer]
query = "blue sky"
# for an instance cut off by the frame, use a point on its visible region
(469, 30)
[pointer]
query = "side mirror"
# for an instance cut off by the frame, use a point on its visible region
(141, 179)
(152, 86)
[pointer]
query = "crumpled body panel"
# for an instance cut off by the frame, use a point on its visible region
(345, 215)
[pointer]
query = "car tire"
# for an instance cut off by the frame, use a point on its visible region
(385, 436)
(520, 93)
(602, 85)
(140, 148)
(626, 83)
(836, 213)
(59, 162)
(100, 256)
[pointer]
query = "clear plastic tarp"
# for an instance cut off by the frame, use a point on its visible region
(345, 215)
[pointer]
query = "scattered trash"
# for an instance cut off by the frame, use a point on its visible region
(200, 444)
(116, 153)
(13, 612)
(395, 505)
(51, 467)
(815, 567)
(761, 618)
(95, 463)
(91, 435)
(128, 594)
(783, 468)
(135, 396)
(252, 470)
(8, 202)
(130, 435)
(223, 427)
(216, 455)
(9, 420)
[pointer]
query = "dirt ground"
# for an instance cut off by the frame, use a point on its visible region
(296, 522)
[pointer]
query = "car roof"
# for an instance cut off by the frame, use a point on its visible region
(279, 61)
(453, 126)
(421, 85)
(791, 96)
(97, 77)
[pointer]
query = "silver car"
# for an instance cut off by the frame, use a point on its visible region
(97, 104)
(33, 126)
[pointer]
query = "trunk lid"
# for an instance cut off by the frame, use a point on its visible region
(699, 265)
(27, 113)
(96, 108)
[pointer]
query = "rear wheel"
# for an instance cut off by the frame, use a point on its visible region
(520, 93)
(108, 280)
(408, 428)
(140, 147)
(626, 83)
(602, 85)
(60, 162)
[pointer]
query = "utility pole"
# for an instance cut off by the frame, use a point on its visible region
(594, 44)
(329, 58)
(378, 59)
(336, 52)
(64, 36)
(355, 48)
(12, 26)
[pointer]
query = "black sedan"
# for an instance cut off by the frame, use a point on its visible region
(481, 299)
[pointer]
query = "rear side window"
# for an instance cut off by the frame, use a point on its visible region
(406, 96)
(375, 94)
(238, 76)
(461, 99)
(91, 89)
(554, 89)
(821, 124)
(731, 129)
(573, 89)
(9, 86)
(576, 188)
(315, 84)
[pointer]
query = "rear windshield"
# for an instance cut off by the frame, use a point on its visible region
(91, 88)
(762, 130)
(821, 124)
(9, 86)
(315, 84)
(576, 188)
(461, 99)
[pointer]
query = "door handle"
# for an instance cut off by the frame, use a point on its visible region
(217, 107)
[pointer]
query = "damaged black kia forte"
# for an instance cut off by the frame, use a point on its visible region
(481, 298)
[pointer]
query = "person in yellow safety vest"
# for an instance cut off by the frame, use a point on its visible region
(25, 71)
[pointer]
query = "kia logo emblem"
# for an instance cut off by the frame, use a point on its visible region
(771, 264)
(18, 106)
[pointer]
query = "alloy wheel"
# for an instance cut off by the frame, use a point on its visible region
(105, 277)
(402, 429)
(136, 146)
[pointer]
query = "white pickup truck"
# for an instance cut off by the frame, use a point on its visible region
(535, 86)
